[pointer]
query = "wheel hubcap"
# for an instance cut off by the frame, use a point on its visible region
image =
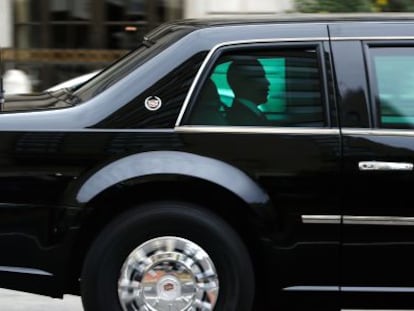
(168, 273)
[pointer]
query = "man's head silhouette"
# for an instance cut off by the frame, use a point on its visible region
(248, 81)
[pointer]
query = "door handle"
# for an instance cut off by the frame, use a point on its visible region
(384, 166)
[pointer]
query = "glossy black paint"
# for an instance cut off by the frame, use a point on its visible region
(37, 102)
(68, 169)
(298, 184)
(374, 257)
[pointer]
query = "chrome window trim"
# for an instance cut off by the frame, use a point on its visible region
(376, 132)
(273, 40)
(256, 130)
(230, 43)
(87, 130)
(321, 219)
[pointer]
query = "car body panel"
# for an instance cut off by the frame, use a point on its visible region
(376, 205)
(302, 184)
(58, 164)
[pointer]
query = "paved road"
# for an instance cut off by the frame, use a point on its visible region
(19, 301)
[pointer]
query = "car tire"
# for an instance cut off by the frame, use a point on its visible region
(167, 256)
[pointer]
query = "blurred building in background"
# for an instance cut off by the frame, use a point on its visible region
(55, 40)
(224, 8)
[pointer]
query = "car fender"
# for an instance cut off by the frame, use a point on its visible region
(177, 163)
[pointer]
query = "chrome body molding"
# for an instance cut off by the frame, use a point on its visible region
(321, 219)
(312, 289)
(378, 220)
(358, 220)
(230, 43)
(374, 289)
(89, 130)
(22, 270)
(256, 130)
(376, 132)
(384, 166)
(358, 289)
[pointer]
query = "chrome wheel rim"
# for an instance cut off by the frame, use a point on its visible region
(168, 273)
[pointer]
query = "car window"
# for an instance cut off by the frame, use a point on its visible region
(170, 91)
(279, 87)
(392, 79)
(153, 44)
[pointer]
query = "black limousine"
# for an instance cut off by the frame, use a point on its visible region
(222, 165)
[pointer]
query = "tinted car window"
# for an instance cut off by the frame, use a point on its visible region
(281, 86)
(171, 90)
(153, 44)
(392, 75)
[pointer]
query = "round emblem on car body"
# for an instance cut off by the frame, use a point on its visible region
(153, 103)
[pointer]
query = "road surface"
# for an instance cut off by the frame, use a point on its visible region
(19, 301)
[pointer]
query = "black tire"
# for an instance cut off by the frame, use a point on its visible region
(104, 261)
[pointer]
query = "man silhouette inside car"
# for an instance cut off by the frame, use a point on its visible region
(250, 86)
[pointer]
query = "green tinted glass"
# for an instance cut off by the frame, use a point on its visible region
(394, 76)
(219, 77)
(275, 73)
(290, 78)
(275, 69)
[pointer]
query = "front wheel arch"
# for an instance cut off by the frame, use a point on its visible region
(110, 204)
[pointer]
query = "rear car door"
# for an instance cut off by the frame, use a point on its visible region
(294, 155)
(374, 63)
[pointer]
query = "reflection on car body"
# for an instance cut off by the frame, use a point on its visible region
(74, 82)
(139, 191)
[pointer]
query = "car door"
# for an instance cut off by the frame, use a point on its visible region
(375, 69)
(294, 155)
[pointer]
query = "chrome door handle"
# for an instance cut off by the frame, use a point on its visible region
(384, 166)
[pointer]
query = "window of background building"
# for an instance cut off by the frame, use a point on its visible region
(70, 23)
(27, 17)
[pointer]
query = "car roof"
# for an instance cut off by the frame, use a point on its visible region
(298, 18)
